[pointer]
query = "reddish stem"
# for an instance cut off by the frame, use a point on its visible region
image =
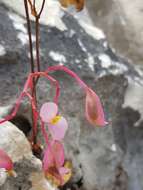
(35, 115)
(44, 132)
(54, 81)
(69, 72)
(25, 92)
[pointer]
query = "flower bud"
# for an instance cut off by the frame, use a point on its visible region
(93, 109)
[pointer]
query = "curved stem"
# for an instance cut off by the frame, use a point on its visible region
(56, 83)
(42, 7)
(69, 72)
(52, 80)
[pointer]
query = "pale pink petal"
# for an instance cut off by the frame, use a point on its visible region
(59, 129)
(64, 170)
(58, 152)
(48, 111)
(5, 161)
(93, 109)
(48, 159)
(53, 155)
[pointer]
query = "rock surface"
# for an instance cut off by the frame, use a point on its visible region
(14, 142)
(121, 20)
(103, 158)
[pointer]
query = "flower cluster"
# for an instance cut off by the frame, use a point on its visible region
(57, 125)
(53, 125)
(56, 170)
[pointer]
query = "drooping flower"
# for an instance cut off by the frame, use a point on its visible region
(57, 124)
(93, 109)
(6, 163)
(56, 170)
(79, 4)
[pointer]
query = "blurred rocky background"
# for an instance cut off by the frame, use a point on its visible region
(109, 59)
(121, 20)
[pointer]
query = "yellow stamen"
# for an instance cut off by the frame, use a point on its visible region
(53, 180)
(67, 176)
(55, 120)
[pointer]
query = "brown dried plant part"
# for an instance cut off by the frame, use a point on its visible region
(33, 9)
(79, 4)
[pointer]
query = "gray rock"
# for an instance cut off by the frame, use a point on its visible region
(121, 20)
(15, 144)
(103, 158)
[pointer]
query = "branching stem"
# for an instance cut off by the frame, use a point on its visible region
(29, 35)
(34, 67)
(42, 7)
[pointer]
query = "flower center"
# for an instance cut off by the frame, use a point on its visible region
(55, 120)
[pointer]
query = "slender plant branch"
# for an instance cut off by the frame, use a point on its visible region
(30, 37)
(34, 3)
(37, 43)
(42, 7)
(37, 35)
(36, 66)
(30, 3)
(31, 59)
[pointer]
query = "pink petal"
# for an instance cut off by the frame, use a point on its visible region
(59, 129)
(5, 161)
(48, 159)
(93, 109)
(58, 151)
(53, 155)
(63, 170)
(48, 111)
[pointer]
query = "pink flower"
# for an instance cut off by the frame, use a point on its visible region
(93, 109)
(6, 162)
(57, 124)
(55, 168)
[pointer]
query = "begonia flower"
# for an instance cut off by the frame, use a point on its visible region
(93, 109)
(56, 170)
(57, 124)
(6, 163)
